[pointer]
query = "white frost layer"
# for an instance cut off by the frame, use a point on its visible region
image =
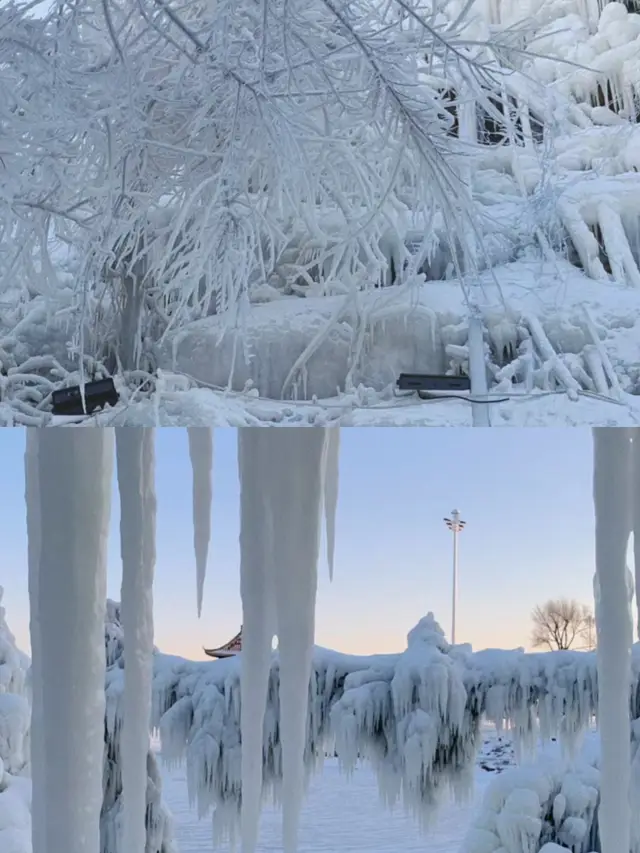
(74, 469)
(136, 482)
(613, 508)
(201, 456)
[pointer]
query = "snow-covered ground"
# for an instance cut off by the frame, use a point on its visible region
(340, 815)
(344, 814)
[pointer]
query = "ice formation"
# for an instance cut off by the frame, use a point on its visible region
(37, 682)
(15, 718)
(157, 821)
(613, 508)
(201, 455)
(136, 482)
(72, 502)
(550, 807)
(331, 493)
(415, 715)
(286, 468)
(14, 705)
(555, 186)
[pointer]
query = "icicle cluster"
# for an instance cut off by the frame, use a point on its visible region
(414, 716)
(283, 475)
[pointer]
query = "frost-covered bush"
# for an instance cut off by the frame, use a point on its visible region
(548, 807)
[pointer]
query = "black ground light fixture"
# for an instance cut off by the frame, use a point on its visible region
(98, 394)
(423, 382)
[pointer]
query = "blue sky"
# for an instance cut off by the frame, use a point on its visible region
(525, 495)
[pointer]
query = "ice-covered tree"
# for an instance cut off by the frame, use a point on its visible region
(188, 156)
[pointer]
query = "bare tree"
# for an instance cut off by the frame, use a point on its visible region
(562, 624)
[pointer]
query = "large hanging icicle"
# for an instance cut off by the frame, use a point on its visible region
(331, 492)
(258, 621)
(613, 502)
(69, 477)
(38, 775)
(136, 482)
(201, 455)
(289, 472)
(635, 450)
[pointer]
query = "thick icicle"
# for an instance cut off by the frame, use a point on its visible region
(294, 481)
(38, 775)
(287, 468)
(612, 499)
(71, 525)
(258, 621)
(331, 492)
(136, 475)
(201, 455)
(635, 449)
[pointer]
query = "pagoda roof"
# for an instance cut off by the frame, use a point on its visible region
(233, 647)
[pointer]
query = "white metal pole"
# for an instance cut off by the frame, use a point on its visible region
(455, 584)
(455, 525)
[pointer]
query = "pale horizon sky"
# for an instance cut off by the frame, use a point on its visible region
(525, 495)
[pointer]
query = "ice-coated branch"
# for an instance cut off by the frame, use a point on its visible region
(135, 454)
(69, 480)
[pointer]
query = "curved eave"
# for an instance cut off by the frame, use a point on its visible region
(219, 653)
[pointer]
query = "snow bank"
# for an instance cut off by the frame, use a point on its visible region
(15, 714)
(547, 808)
(15, 813)
(14, 705)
